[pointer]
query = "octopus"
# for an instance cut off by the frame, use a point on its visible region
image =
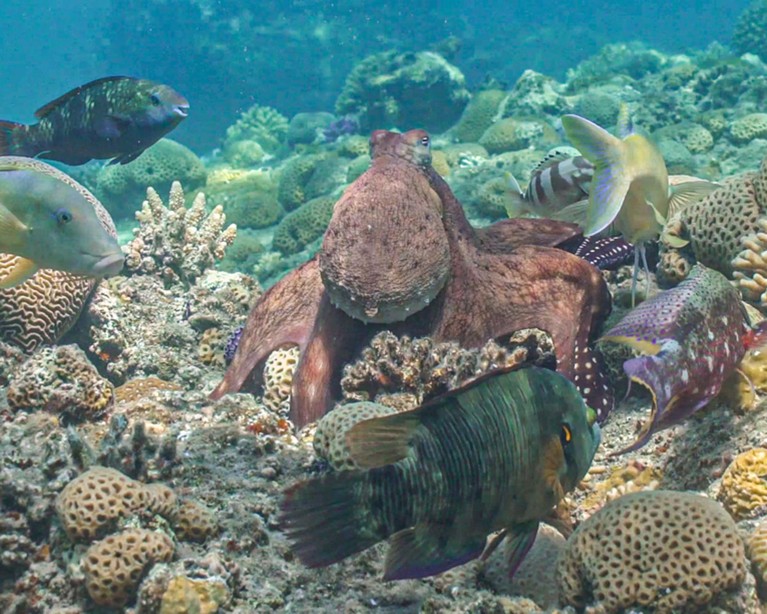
(400, 254)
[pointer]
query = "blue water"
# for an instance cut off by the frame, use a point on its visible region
(225, 56)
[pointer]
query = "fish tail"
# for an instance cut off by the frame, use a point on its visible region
(10, 143)
(516, 205)
(756, 338)
(325, 519)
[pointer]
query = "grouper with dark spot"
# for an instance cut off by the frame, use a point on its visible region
(497, 454)
(49, 221)
(112, 117)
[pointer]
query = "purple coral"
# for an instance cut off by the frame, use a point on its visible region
(340, 127)
(232, 343)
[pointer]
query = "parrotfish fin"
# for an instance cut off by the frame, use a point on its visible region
(64, 98)
(381, 441)
(610, 183)
(515, 202)
(111, 126)
(643, 345)
(13, 231)
(125, 158)
(674, 241)
(658, 215)
(7, 130)
(684, 194)
(322, 520)
(623, 125)
(424, 550)
(521, 538)
(576, 213)
(21, 272)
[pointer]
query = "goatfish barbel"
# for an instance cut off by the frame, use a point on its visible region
(112, 117)
(50, 221)
(499, 453)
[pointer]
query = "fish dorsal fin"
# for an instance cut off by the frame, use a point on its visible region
(423, 550)
(21, 272)
(684, 194)
(64, 98)
(552, 158)
(381, 441)
(624, 126)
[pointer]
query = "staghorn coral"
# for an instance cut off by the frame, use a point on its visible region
(664, 550)
(304, 225)
(60, 380)
(423, 368)
(115, 565)
(743, 490)
(176, 242)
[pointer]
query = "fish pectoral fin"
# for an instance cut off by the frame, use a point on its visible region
(674, 241)
(125, 158)
(425, 550)
(381, 441)
(658, 215)
(111, 126)
(21, 272)
(684, 194)
(520, 538)
(575, 213)
(13, 232)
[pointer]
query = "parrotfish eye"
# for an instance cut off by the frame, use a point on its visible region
(565, 435)
(63, 216)
(155, 100)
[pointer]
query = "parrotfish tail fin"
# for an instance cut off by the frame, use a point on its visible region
(323, 520)
(684, 194)
(611, 182)
(9, 145)
(624, 126)
(425, 550)
(605, 253)
(521, 538)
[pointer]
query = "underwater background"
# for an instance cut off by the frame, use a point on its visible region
(362, 249)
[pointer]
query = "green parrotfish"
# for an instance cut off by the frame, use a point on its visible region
(497, 454)
(630, 189)
(692, 337)
(49, 220)
(112, 117)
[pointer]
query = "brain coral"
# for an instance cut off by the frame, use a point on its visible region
(743, 491)
(405, 90)
(123, 186)
(511, 134)
(294, 178)
(61, 380)
(660, 549)
(478, 115)
(301, 227)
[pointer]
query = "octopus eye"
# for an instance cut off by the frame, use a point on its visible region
(425, 141)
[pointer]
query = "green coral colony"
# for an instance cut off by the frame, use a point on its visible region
(264, 382)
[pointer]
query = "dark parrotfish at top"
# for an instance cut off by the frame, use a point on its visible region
(499, 453)
(693, 337)
(113, 117)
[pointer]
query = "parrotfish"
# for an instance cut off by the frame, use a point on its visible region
(112, 117)
(499, 453)
(630, 188)
(49, 220)
(692, 338)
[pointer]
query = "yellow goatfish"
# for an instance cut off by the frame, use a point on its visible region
(630, 189)
(50, 221)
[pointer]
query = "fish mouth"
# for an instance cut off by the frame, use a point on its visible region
(181, 109)
(109, 266)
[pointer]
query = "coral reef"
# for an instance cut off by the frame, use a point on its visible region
(307, 128)
(304, 225)
(478, 115)
(660, 549)
(192, 521)
(258, 131)
(392, 89)
(249, 197)
(176, 242)
(743, 490)
(292, 190)
(750, 265)
(123, 186)
(278, 378)
(510, 134)
(750, 35)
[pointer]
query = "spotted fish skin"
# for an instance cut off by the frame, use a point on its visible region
(605, 253)
(693, 337)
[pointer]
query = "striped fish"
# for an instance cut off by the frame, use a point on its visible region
(558, 188)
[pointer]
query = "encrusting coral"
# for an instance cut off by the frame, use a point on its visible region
(177, 242)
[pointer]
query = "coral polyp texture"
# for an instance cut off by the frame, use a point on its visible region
(177, 242)
(743, 490)
(658, 549)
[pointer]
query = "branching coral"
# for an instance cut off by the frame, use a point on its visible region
(176, 242)
(751, 266)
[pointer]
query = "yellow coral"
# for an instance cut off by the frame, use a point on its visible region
(744, 484)
(511, 134)
(211, 348)
(278, 378)
(757, 553)
(184, 595)
(141, 387)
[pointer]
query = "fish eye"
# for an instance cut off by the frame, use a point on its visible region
(63, 216)
(155, 99)
(566, 434)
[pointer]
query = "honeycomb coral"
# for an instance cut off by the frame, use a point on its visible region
(278, 378)
(141, 387)
(123, 186)
(193, 521)
(757, 553)
(478, 115)
(90, 505)
(115, 565)
(60, 380)
(743, 491)
(161, 499)
(330, 436)
(304, 225)
(748, 128)
(211, 349)
(660, 549)
(204, 596)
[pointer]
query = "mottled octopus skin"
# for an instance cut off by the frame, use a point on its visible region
(501, 279)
